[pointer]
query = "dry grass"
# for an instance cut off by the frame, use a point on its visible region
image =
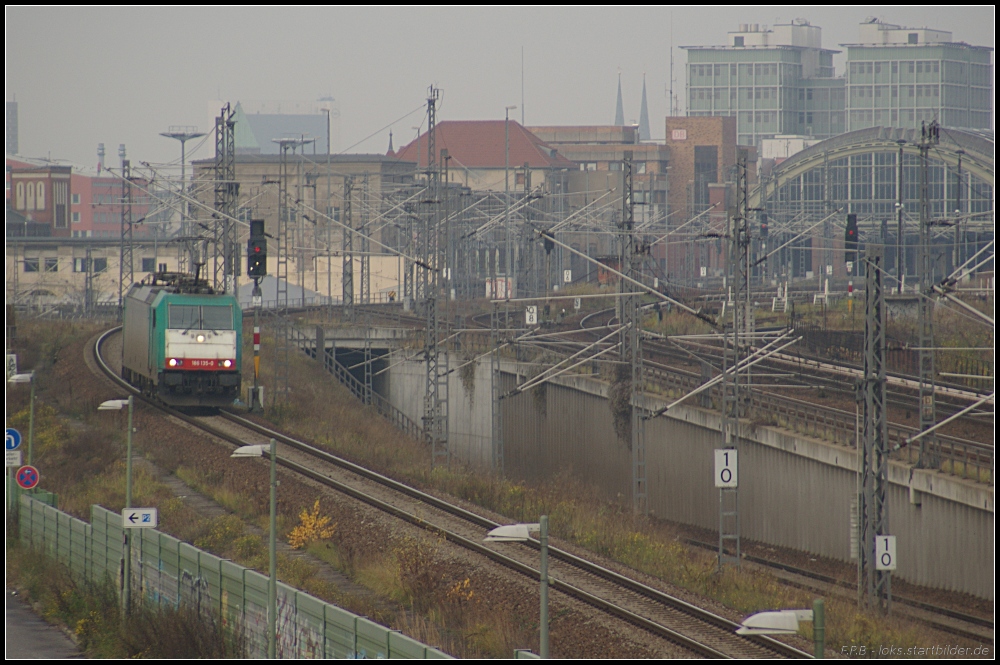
(91, 610)
(449, 605)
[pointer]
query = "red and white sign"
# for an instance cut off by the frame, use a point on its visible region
(678, 135)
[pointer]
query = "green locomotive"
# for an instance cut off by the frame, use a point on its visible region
(182, 342)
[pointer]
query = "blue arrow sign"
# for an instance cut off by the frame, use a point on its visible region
(13, 439)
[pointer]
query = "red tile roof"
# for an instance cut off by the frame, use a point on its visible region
(480, 144)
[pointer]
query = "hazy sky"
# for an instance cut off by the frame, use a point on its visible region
(87, 75)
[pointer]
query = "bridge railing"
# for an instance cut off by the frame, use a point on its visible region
(969, 459)
(364, 393)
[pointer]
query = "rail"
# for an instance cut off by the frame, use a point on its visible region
(959, 457)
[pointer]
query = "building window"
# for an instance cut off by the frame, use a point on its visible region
(31, 265)
(737, 41)
(76, 199)
(911, 38)
(40, 196)
(148, 264)
(76, 218)
(30, 195)
(19, 196)
(80, 265)
(52, 264)
(640, 167)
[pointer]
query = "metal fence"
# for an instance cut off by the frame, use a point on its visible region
(166, 571)
(358, 389)
(960, 457)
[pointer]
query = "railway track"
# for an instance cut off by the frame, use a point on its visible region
(671, 619)
(954, 622)
(672, 367)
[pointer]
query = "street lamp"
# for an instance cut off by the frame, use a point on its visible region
(272, 587)
(786, 622)
(28, 378)
(118, 405)
(520, 533)
(508, 287)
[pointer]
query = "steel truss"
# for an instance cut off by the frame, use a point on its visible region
(874, 586)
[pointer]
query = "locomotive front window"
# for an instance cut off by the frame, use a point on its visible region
(201, 317)
(184, 317)
(217, 317)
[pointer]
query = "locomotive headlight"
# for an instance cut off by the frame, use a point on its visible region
(172, 362)
(227, 363)
(200, 338)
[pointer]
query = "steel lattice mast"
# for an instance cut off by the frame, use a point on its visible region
(738, 282)
(925, 320)
(126, 268)
(873, 515)
(436, 393)
(629, 336)
(347, 273)
(226, 260)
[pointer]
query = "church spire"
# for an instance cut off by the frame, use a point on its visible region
(644, 114)
(392, 152)
(619, 111)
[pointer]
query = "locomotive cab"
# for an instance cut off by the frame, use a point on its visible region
(182, 343)
(200, 349)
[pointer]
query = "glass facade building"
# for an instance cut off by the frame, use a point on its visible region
(773, 81)
(780, 81)
(902, 77)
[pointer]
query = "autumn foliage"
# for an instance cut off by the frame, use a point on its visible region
(312, 526)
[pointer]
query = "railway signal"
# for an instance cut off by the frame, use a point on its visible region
(851, 238)
(257, 250)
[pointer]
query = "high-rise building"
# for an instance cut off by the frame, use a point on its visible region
(774, 81)
(260, 122)
(901, 77)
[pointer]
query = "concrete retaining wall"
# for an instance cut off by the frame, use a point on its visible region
(795, 491)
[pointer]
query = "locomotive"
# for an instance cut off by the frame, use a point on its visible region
(182, 341)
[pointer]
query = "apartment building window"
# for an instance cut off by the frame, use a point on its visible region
(31, 265)
(80, 264)
(148, 264)
(76, 199)
(52, 264)
(76, 217)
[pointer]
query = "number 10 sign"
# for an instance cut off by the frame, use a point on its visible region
(725, 468)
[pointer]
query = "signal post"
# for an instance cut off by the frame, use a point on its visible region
(256, 268)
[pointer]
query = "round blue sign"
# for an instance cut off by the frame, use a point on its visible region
(13, 439)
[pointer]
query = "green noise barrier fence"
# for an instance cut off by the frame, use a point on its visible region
(169, 572)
